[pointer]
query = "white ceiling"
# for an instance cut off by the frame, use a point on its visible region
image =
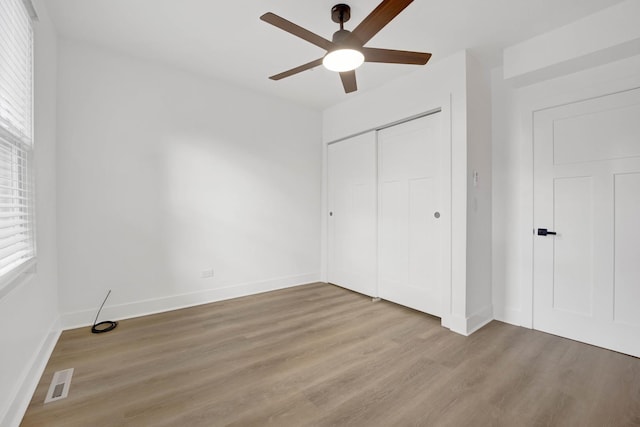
(226, 39)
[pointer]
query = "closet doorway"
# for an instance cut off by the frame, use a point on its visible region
(389, 213)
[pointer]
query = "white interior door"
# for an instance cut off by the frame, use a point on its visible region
(352, 203)
(410, 227)
(587, 190)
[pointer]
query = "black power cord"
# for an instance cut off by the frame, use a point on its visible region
(105, 326)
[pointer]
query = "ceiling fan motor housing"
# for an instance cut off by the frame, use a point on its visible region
(340, 36)
(340, 13)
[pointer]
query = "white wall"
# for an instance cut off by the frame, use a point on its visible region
(606, 36)
(479, 301)
(441, 84)
(163, 174)
(429, 87)
(507, 262)
(29, 318)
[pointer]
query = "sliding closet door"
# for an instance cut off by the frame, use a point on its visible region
(410, 203)
(352, 203)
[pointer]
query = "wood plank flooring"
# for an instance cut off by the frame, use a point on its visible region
(320, 355)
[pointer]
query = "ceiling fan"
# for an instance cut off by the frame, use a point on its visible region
(346, 51)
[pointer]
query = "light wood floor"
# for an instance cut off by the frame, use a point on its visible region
(321, 355)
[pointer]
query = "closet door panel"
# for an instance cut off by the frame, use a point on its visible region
(352, 203)
(410, 254)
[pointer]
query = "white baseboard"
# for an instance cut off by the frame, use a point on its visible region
(458, 324)
(27, 387)
(157, 305)
(469, 324)
(478, 319)
(508, 315)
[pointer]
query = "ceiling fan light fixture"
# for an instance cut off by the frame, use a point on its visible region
(342, 60)
(346, 51)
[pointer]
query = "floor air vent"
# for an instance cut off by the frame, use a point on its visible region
(59, 388)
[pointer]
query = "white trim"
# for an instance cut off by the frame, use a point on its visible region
(16, 277)
(388, 125)
(458, 324)
(324, 216)
(470, 324)
(478, 319)
(509, 315)
(446, 291)
(158, 305)
(376, 137)
(24, 392)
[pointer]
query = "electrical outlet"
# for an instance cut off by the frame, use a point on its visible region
(204, 274)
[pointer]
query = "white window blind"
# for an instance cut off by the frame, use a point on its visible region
(17, 242)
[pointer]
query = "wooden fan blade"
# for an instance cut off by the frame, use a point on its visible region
(381, 16)
(390, 56)
(349, 81)
(297, 30)
(297, 70)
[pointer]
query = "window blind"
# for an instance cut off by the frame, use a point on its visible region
(17, 243)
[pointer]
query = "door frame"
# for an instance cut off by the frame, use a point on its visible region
(446, 209)
(528, 104)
